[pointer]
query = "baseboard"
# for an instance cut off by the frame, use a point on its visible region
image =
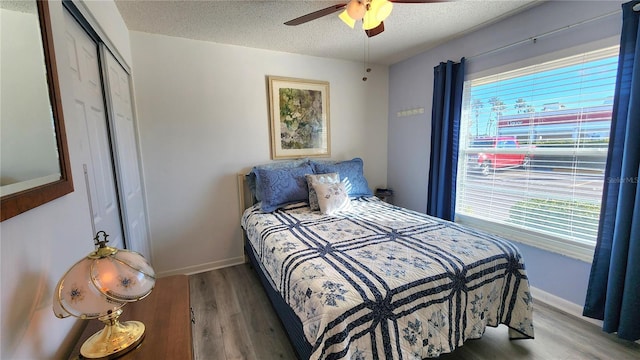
(190, 270)
(562, 305)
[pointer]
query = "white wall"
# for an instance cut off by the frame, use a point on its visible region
(411, 86)
(38, 246)
(203, 117)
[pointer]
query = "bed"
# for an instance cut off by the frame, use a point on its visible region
(372, 280)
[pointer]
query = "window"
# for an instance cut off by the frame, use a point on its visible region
(533, 148)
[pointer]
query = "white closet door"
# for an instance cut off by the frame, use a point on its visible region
(123, 130)
(90, 113)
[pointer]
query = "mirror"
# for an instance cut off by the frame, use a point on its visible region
(34, 160)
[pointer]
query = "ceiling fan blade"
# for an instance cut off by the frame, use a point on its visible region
(376, 30)
(315, 15)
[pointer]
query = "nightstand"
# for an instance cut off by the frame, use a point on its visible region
(385, 195)
(166, 314)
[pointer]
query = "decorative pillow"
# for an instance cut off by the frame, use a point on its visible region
(330, 178)
(278, 187)
(351, 173)
(332, 197)
(251, 176)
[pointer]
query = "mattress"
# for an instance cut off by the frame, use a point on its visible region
(383, 282)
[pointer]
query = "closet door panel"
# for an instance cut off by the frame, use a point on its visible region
(90, 114)
(127, 155)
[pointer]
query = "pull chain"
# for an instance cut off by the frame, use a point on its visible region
(367, 69)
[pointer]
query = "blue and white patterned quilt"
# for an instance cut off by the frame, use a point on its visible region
(383, 282)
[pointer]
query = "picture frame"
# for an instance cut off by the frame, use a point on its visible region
(299, 118)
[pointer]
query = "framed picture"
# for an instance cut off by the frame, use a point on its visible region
(299, 118)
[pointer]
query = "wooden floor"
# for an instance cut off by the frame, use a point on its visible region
(235, 320)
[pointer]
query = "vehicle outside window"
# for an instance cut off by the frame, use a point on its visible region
(488, 160)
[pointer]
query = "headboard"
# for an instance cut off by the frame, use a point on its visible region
(245, 201)
(245, 198)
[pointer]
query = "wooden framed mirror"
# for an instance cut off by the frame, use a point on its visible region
(35, 167)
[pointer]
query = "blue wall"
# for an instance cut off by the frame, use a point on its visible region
(556, 274)
(410, 87)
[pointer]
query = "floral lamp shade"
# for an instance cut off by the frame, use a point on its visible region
(77, 295)
(97, 287)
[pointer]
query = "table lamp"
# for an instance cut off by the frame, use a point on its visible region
(97, 287)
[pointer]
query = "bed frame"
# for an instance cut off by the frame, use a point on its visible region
(288, 318)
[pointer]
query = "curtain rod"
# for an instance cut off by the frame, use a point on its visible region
(535, 38)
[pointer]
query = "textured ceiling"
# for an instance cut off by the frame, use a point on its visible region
(411, 28)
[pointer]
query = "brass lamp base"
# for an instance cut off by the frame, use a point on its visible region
(114, 340)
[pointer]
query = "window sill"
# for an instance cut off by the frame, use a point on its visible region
(573, 249)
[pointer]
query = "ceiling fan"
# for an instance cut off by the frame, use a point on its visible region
(371, 12)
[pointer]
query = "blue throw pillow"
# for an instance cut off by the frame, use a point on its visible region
(351, 173)
(251, 176)
(278, 187)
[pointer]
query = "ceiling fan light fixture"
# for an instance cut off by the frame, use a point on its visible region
(347, 19)
(370, 21)
(383, 9)
(356, 9)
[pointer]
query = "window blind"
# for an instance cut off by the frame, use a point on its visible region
(533, 147)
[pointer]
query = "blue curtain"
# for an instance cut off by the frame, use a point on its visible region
(613, 294)
(445, 129)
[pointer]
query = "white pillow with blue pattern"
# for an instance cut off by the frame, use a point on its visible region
(330, 178)
(332, 197)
